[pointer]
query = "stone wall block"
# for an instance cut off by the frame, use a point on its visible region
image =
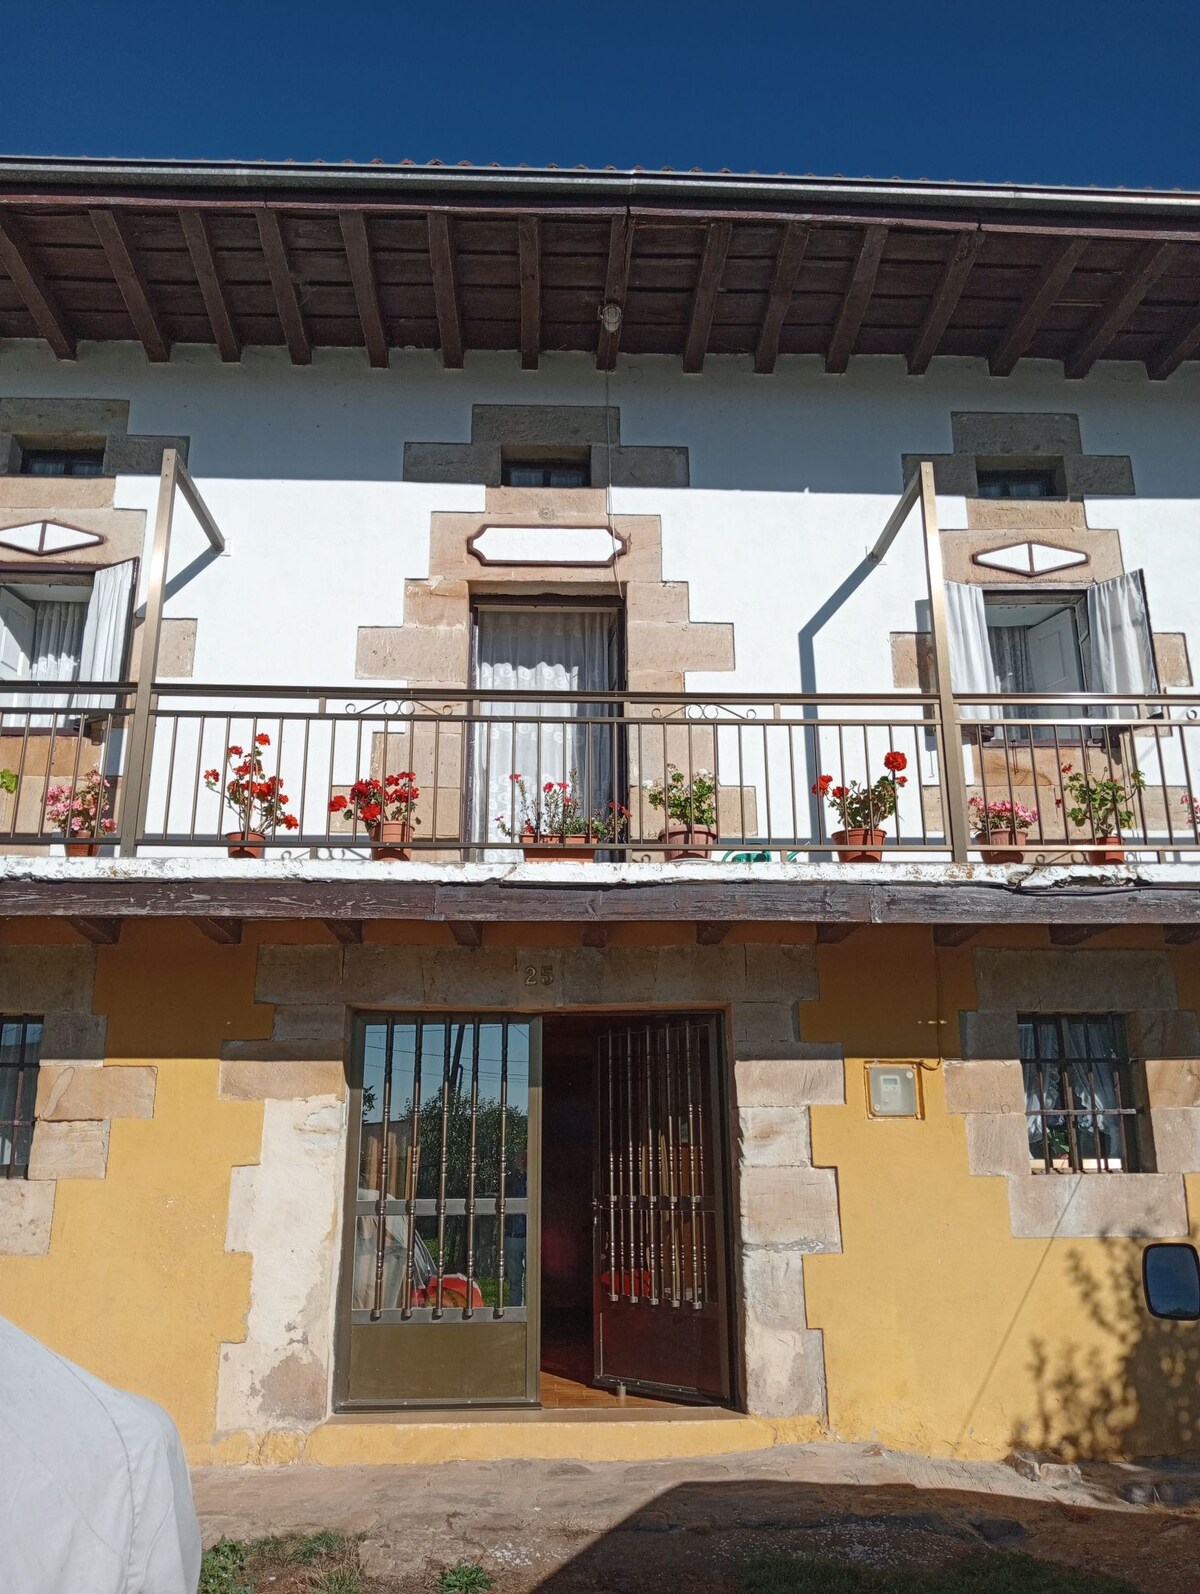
(757, 1025)
(37, 979)
(299, 974)
(74, 1038)
(26, 1217)
(984, 1085)
(69, 1151)
(789, 1082)
(1080, 980)
(997, 1143)
(795, 1207)
(773, 1287)
(774, 1137)
(256, 1079)
(785, 1371)
(1176, 1132)
(1110, 1205)
(1165, 1033)
(989, 1035)
(305, 1021)
(1172, 1082)
(69, 1094)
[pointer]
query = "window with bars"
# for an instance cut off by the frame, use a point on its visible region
(62, 462)
(1084, 1095)
(20, 1047)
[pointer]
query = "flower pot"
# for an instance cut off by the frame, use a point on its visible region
(392, 839)
(859, 846)
(558, 849)
(245, 843)
(687, 841)
(82, 849)
(1008, 852)
(1108, 849)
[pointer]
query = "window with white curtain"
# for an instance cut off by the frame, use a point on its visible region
(528, 650)
(74, 628)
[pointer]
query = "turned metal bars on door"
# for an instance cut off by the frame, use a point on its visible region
(654, 1196)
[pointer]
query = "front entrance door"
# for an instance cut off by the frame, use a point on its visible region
(661, 1298)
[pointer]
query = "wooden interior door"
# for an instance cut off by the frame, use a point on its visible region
(660, 1278)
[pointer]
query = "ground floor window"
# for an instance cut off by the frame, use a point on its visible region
(20, 1047)
(1084, 1095)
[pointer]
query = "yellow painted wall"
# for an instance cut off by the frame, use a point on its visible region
(942, 1332)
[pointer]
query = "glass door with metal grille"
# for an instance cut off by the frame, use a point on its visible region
(440, 1270)
(660, 1274)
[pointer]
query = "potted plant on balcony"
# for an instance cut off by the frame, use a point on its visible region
(258, 799)
(82, 813)
(1105, 807)
(552, 825)
(1007, 823)
(384, 808)
(863, 809)
(690, 808)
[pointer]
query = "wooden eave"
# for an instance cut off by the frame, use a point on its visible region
(459, 261)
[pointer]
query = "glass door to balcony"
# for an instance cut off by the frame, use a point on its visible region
(528, 742)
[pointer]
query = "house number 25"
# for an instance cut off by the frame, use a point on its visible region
(539, 976)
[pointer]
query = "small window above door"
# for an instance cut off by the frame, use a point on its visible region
(536, 467)
(1017, 483)
(62, 462)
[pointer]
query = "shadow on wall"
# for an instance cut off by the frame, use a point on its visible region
(1134, 1391)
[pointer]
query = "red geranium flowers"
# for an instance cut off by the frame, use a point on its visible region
(865, 807)
(257, 798)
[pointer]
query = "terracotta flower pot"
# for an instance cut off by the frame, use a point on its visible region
(558, 849)
(859, 846)
(245, 843)
(1108, 849)
(688, 841)
(392, 838)
(1007, 853)
(82, 849)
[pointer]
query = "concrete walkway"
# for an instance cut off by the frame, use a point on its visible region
(555, 1524)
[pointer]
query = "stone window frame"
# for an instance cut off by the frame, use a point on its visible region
(12, 1168)
(96, 423)
(985, 1085)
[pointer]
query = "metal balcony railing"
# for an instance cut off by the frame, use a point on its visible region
(755, 776)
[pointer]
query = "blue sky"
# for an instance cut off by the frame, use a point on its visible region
(1032, 91)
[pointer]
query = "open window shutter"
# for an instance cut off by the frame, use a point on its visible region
(16, 637)
(105, 632)
(1120, 652)
(971, 666)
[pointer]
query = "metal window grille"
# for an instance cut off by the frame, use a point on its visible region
(20, 1047)
(1081, 1094)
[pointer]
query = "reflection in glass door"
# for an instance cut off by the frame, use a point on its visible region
(440, 1270)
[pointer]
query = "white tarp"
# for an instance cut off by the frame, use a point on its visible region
(94, 1490)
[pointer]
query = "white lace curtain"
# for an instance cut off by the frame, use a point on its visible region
(1080, 1055)
(542, 650)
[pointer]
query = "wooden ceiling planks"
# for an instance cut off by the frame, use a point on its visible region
(233, 272)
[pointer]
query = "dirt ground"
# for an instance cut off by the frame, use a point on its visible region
(571, 1527)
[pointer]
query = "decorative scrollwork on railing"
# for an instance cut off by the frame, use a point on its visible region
(403, 708)
(708, 713)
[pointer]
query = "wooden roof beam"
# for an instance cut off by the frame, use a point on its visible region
(708, 286)
(279, 269)
(1035, 306)
(1180, 344)
(858, 297)
(30, 283)
(366, 290)
(132, 284)
(783, 284)
(945, 300)
(529, 248)
(616, 286)
(204, 264)
(445, 289)
(1148, 265)
(99, 931)
(225, 932)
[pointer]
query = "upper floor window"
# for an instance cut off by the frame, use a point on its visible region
(1084, 1094)
(1017, 483)
(62, 462)
(63, 628)
(20, 1048)
(545, 473)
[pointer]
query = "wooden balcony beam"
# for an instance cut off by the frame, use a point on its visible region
(711, 932)
(829, 934)
(225, 932)
(279, 269)
(101, 932)
(616, 286)
(466, 932)
(204, 264)
(595, 935)
(348, 931)
(30, 282)
(945, 299)
(357, 245)
(529, 251)
(857, 299)
(954, 934)
(708, 287)
(445, 289)
(132, 284)
(1074, 934)
(783, 285)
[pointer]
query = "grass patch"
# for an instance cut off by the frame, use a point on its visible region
(985, 1573)
(464, 1579)
(289, 1563)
